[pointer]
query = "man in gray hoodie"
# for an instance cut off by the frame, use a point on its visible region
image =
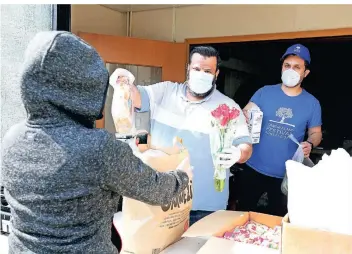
(62, 177)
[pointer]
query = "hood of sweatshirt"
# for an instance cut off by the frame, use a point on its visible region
(63, 80)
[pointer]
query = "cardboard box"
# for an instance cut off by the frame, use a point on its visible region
(213, 226)
(223, 246)
(255, 124)
(187, 245)
(296, 239)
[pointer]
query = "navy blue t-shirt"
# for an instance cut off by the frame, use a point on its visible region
(282, 115)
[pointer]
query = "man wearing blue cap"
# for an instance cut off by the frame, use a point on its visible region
(287, 109)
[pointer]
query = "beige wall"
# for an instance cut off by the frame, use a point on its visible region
(227, 20)
(94, 18)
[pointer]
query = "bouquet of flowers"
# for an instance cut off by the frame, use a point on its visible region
(223, 131)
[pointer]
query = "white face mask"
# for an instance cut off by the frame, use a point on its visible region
(290, 78)
(200, 82)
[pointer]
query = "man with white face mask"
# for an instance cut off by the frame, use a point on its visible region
(288, 109)
(183, 110)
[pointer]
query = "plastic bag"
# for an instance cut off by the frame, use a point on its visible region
(320, 197)
(298, 157)
(122, 109)
(299, 154)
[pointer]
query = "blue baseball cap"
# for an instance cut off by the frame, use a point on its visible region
(298, 50)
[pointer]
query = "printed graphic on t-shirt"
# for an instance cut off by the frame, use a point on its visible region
(280, 127)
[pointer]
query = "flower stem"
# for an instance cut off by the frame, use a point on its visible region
(220, 183)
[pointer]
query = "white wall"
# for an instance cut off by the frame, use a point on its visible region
(94, 18)
(227, 20)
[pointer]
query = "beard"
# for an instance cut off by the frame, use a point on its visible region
(200, 95)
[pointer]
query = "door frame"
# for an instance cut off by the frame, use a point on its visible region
(154, 53)
(336, 32)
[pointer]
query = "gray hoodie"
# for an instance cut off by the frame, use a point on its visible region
(62, 177)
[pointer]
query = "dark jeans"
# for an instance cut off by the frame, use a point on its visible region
(197, 215)
(250, 185)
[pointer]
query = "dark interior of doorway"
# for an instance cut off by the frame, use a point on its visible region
(63, 17)
(329, 81)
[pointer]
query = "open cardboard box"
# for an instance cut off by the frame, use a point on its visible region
(216, 224)
(296, 239)
(187, 245)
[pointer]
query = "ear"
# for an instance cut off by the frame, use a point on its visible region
(306, 72)
(187, 72)
(217, 73)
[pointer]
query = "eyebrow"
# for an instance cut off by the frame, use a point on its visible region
(296, 64)
(204, 68)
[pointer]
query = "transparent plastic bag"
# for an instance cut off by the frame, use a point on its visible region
(122, 109)
(299, 154)
(298, 157)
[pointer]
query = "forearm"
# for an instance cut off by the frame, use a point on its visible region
(154, 188)
(246, 152)
(249, 106)
(315, 138)
(136, 97)
(127, 175)
(141, 100)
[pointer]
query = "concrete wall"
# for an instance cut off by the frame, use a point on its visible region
(19, 24)
(227, 20)
(94, 18)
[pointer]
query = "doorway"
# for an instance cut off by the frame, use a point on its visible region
(249, 65)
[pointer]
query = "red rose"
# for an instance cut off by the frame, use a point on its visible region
(234, 113)
(224, 108)
(224, 114)
(224, 120)
(216, 113)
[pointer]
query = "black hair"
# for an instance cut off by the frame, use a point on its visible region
(306, 64)
(206, 51)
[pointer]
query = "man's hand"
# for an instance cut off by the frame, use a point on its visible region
(228, 157)
(307, 148)
(120, 73)
(249, 106)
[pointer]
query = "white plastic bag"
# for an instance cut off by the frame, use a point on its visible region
(321, 197)
(120, 72)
